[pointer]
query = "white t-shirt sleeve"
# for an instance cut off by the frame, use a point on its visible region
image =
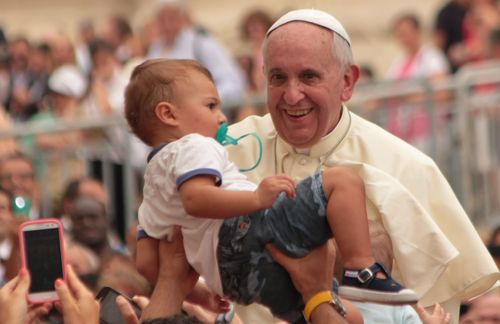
(435, 63)
(197, 156)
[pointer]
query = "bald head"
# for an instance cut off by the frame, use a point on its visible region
(484, 309)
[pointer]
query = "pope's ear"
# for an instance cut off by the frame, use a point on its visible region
(351, 76)
(165, 112)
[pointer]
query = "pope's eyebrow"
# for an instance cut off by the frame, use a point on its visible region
(274, 70)
(310, 72)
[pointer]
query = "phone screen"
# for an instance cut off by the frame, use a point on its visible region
(43, 258)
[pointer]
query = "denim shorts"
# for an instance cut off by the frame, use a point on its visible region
(295, 226)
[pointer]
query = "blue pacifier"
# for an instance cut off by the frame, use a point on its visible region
(222, 136)
(225, 139)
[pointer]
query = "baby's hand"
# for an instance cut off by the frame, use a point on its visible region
(271, 187)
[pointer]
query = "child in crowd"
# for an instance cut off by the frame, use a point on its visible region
(226, 220)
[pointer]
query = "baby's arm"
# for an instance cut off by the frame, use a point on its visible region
(202, 198)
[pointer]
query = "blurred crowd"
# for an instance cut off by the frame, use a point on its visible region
(52, 79)
(56, 77)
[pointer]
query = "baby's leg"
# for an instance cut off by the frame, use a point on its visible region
(363, 279)
(146, 258)
(346, 213)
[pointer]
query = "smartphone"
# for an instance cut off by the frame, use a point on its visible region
(21, 206)
(42, 251)
(226, 318)
(109, 312)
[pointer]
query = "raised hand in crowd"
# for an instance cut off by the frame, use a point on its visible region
(14, 305)
(126, 309)
(77, 304)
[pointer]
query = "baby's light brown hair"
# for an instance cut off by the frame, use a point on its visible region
(151, 83)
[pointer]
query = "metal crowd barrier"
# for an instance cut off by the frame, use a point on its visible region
(104, 151)
(456, 121)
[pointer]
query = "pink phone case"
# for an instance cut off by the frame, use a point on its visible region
(61, 244)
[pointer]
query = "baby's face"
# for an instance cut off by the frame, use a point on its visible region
(199, 105)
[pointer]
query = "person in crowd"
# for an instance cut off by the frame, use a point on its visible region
(253, 30)
(181, 39)
(32, 91)
(107, 80)
(418, 60)
(173, 106)
(481, 18)
(9, 261)
(17, 175)
(67, 86)
(367, 75)
(494, 245)
(484, 309)
(3, 38)
(105, 99)
(25, 89)
(310, 128)
(149, 33)
(79, 187)
(86, 34)
(8, 146)
(4, 70)
(448, 29)
(40, 67)
(62, 49)
(411, 121)
(90, 227)
(118, 32)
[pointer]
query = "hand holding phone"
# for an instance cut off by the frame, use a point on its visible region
(77, 303)
(42, 251)
(109, 312)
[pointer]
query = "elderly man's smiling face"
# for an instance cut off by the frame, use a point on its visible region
(306, 85)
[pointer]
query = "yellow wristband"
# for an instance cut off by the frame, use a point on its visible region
(315, 301)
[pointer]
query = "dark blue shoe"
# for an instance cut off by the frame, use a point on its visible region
(362, 285)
